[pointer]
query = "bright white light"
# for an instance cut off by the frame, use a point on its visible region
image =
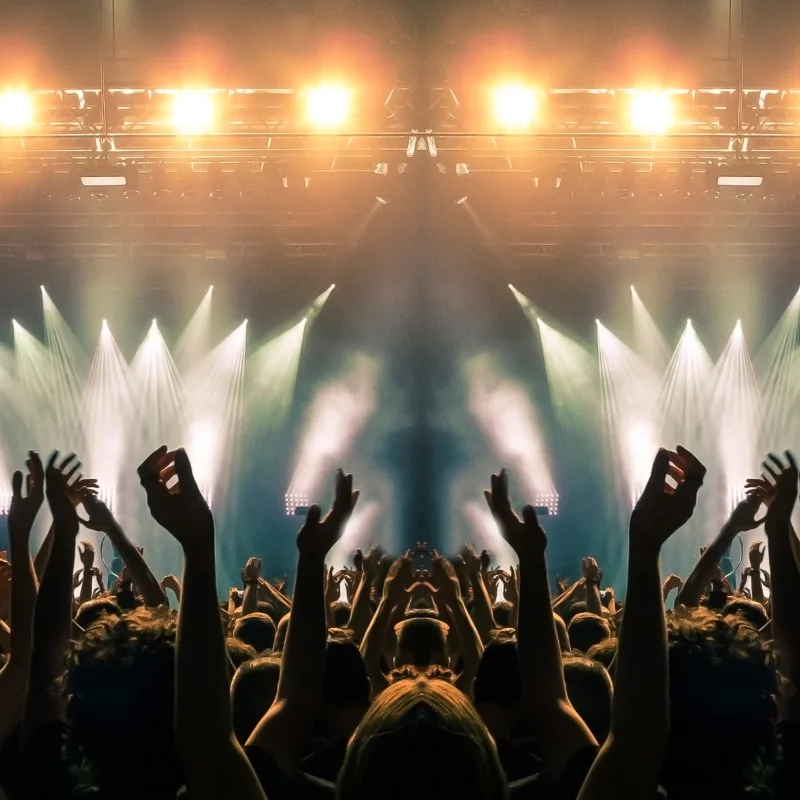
(328, 106)
(103, 180)
(641, 443)
(192, 112)
(514, 106)
(510, 422)
(16, 109)
(203, 449)
(651, 112)
(337, 415)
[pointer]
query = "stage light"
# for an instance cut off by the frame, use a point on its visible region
(328, 106)
(295, 500)
(739, 176)
(16, 109)
(192, 112)
(650, 112)
(514, 106)
(548, 500)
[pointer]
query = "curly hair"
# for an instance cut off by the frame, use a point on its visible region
(723, 679)
(124, 670)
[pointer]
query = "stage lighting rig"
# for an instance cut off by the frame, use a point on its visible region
(193, 112)
(514, 106)
(651, 112)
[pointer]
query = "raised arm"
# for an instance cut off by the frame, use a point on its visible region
(43, 553)
(481, 602)
(86, 555)
(743, 518)
(14, 675)
(398, 579)
(592, 574)
(469, 641)
(630, 760)
(554, 722)
(250, 575)
(52, 626)
(214, 762)
(756, 556)
(101, 519)
(283, 732)
(361, 610)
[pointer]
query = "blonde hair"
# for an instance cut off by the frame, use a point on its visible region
(421, 718)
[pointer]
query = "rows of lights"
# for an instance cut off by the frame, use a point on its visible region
(548, 500)
(295, 500)
(193, 112)
(511, 107)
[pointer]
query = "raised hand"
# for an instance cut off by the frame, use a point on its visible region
(23, 510)
(445, 580)
(252, 570)
(398, 579)
(524, 535)
(171, 582)
(86, 555)
(332, 582)
(743, 517)
(511, 587)
(662, 509)
(673, 582)
(319, 535)
(100, 517)
(784, 496)
(58, 478)
(179, 507)
(591, 571)
(756, 554)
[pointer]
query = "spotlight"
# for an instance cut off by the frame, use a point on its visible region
(514, 106)
(549, 501)
(328, 106)
(650, 112)
(16, 109)
(295, 501)
(192, 112)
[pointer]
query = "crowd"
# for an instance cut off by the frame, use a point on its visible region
(422, 684)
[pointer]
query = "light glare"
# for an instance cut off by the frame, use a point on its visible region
(192, 112)
(328, 106)
(514, 106)
(16, 109)
(651, 112)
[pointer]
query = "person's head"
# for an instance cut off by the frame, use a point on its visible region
(345, 689)
(749, 611)
(498, 680)
(561, 632)
(590, 691)
(341, 614)
(123, 670)
(252, 692)
(426, 718)
(280, 634)
(257, 630)
(502, 614)
(722, 683)
(586, 630)
(238, 651)
(267, 608)
(605, 652)
(572, 610)
(421, 642)
(93, 610)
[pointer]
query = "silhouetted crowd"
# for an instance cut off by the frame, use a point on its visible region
(422, 683)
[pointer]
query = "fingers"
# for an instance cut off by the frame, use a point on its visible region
(149, 467)
(16, 485)
(183, 469)
(658, 473)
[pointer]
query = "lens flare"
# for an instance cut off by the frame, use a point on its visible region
(16, 109)
(193, 112)
(328, 106)
(651, 112)
(514, 106)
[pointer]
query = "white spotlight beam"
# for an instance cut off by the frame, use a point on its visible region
(337, 415)
(108, 415)
(193, 343)
(213, 392)
(650, 342)
(509, 420)
(735, 415)
(629, 387)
